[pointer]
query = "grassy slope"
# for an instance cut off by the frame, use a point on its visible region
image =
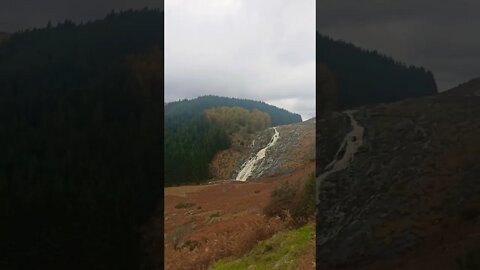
(282, 251)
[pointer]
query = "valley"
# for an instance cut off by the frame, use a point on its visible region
(225, 219)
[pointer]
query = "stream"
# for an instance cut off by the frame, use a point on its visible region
(353, 140)
(250, 164)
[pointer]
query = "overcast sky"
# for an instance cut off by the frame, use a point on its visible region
(262, 50)
(24, 14)
(442, 36)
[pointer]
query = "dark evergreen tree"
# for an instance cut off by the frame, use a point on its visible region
(191, 141)
(366, 77)
(81, 141)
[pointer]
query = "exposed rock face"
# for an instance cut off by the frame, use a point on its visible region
(295, 147)
(417, 170)
(225, 162)
(251, 164)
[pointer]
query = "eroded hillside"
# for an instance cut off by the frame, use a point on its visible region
(409, 196)
(241, 126)
(197, 130)
(225, 220)
(294, 148)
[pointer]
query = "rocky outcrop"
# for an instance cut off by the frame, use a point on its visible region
(417, 170)
(295, 147)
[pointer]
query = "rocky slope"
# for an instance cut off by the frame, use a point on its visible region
(410, 194)
(294, 148)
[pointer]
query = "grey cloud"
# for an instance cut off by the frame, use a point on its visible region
(334, 12)
(262, 50)
(439, 35)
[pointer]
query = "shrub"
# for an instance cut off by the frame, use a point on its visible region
(282, 201)
(184, 205)
(215, 215)
(223, 242)
(288, 199)
(305, 208)
(176, 238)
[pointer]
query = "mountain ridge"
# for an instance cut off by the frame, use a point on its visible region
(349, 76)
(208, 101)
(188, 129)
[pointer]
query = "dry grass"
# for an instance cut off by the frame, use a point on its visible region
(293, 201)
(200, 252)
(229, 222)
(282, 201)
(184, 205)
(183, 190)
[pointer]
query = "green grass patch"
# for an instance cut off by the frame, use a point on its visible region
(279, 252)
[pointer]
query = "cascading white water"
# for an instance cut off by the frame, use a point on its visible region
(249, 165)
(353, 140)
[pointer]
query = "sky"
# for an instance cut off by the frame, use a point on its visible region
(18, 15)
(262, 50)
(443, 36)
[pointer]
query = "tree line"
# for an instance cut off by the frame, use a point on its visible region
(349, 76)
(194, 132)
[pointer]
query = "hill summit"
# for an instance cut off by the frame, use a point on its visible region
(206, 125)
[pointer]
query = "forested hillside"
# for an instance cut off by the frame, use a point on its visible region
(81, 141)
(186, 107)
(193, 133)
(327, 89)
(190, 144)
(362, 77)
(239, 122)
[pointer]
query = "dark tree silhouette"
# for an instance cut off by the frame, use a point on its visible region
(366, 77)
(191, 140)
(81, 141)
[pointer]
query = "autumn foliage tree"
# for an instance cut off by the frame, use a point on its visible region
(239, 120)
(197, 129)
